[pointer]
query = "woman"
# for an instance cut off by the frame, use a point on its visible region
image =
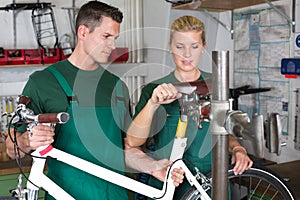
(158, 109)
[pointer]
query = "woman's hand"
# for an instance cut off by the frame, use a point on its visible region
(177, 174)
(240, 159)
(165, 94)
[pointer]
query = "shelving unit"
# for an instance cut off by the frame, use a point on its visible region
(222, 5)
(208, 6)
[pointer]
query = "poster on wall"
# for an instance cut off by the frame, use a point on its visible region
(297, 45)
(262, 39)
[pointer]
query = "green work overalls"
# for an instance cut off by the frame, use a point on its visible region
(92, 134)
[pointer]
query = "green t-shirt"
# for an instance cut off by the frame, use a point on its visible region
(92, 89)
(163, 129)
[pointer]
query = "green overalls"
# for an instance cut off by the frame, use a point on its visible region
(92, 134)
(163, 129)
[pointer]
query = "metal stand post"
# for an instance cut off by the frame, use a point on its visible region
(219, 108)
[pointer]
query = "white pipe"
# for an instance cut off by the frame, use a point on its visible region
(132, 89)
(139, 31)
(140, 83)
(132, 31)
(126, 27)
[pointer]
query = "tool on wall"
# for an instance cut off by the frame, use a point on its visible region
(72, 13)
(45, 30)
(24, 6)
(17, 8)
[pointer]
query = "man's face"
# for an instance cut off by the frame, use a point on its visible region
(100, 43)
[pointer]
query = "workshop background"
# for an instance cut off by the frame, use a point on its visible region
(257, 35)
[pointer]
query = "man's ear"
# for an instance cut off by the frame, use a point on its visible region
(82, 31)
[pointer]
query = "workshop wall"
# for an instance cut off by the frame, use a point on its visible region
(157, 60)
(19, 31)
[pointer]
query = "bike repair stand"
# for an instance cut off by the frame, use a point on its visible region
(219, 108)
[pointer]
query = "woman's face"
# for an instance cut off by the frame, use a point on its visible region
(186, 48)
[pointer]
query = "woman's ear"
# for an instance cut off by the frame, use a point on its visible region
(169, 48)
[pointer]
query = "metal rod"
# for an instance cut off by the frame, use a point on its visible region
(219, 108)
(291, 21)
(229, 29)
(133, 31)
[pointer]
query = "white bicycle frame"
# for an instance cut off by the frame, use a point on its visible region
(39, 179)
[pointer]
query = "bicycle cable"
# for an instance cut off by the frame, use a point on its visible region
(167, 175)
(17, 151)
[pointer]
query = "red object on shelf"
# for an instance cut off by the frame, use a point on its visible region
(3, 58)
(15, 57)
(119, 55)
(32, 56)
(51, 56)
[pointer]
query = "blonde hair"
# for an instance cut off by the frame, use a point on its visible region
(188, 23)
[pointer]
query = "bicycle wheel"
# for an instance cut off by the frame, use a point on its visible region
(253, 184)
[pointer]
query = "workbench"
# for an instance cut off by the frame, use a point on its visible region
(290, 172)
(9, 173)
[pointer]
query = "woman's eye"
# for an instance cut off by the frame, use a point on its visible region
(179, 47)
(195, 46)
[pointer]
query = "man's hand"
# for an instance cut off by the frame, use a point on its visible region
(40, 135)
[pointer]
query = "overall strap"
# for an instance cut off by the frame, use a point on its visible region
(120, 96)
(121, 103)
(62, 82)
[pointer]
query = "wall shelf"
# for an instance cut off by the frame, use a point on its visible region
(221, 5)
(230, 5)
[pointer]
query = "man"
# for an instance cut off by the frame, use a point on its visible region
(97, 101)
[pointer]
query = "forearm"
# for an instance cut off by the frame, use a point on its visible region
(139, 129)
(138, 160)
(234, 145)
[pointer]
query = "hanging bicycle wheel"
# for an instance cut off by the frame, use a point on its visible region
(253, 184)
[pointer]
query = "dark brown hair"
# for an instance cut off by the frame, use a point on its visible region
(91, 13)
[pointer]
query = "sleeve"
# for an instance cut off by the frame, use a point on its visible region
(31, 90)
(128, 112)
(122, 111)
(145, 96)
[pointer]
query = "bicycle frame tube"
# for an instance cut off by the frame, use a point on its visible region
(38, 178)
